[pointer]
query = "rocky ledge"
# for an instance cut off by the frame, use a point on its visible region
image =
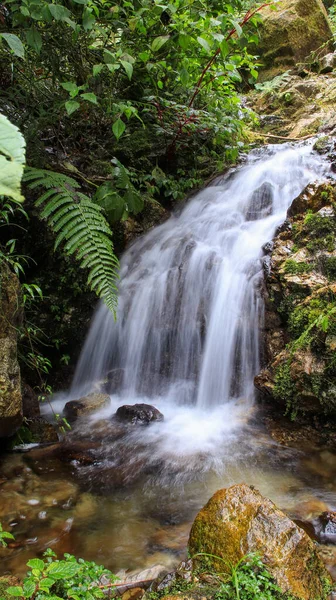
(300, 317)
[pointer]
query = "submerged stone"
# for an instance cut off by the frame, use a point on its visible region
(325, 527)
(239, 520)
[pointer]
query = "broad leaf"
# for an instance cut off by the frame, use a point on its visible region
(14, 43)
(128, 68)
(118, 128)
(29, 588)
(15, 591)
(63, 570)
(204, 44)
(59, 12)
(34, 40)
(96, 69)
(90, 97)
(36, 563)
(158, 42)
(71, 106)
(12, 159)
(110, 201)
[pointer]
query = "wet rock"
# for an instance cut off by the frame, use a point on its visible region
(42, 431)
(260, 203)
(328, 63)
(133, 594)
(88, 404)
(30, 403)
(239, 520)
(268, 247)
(10, 379)
(325, 527)
(312, 198)
(289, 34)
(139, 414)
(172, 537)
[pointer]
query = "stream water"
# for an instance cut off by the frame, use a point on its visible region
(188, 340)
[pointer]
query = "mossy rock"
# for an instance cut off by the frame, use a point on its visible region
(290, 33)
(239, 520)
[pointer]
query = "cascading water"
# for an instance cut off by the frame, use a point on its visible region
(190, 307)
(187, 339)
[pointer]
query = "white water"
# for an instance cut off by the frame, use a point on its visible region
(190, 309)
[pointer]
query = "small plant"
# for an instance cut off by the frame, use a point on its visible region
(5, 535)
(249, 579)
(54, 579)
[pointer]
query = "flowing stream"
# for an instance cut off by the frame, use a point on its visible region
(187, 339)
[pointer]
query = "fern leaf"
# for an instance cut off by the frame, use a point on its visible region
(81, 228)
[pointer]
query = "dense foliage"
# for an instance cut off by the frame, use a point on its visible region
(123, 104)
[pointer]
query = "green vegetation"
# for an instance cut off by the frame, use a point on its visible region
(123, 106)
(55, 579)
(293, 267)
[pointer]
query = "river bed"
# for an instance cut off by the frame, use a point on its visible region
(76, 502)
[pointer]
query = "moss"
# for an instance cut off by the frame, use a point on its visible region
(304, 315)
(316, 224)
(328, 266)
(322, 145)
(293, 267)
(322, 243)
(285, 389)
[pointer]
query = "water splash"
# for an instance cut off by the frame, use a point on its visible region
(190, 307)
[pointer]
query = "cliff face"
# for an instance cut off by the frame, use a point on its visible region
(10, 380)
(300, 318)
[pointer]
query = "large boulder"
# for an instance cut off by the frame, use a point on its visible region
(289, 34)
(239, 520)
(10, 380)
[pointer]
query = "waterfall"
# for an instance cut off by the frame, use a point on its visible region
(190, 307)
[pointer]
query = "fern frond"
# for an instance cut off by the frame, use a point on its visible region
(81, 228)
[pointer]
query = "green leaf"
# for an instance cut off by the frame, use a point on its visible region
(158, 42)
(63, 570)
(34, 40)
(204, 44)
(70, 87)
(46, 583)
(237, 28)
(81, 1)
(144, 56)
(134, 201)
(112, 202)
(128, 68)
(118, 128)
(90, 97)
(59, 12)
(225, 48)
(12, 159)
(29, 588)
(14, 43)
(96, 69)
(184, 41)
(36, 563)
(184, 76)
(88, 20)
(71, 106)
(15, 590)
